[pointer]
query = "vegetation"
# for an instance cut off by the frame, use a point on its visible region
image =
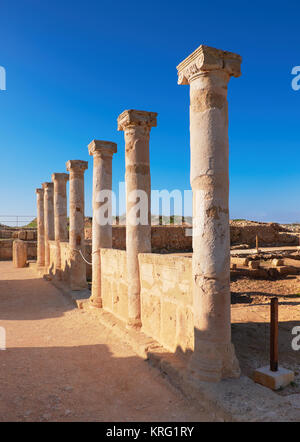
(32, 224)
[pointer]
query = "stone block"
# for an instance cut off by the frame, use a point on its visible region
(30, 235)
(151, 315)
(19, 253)
(168, 325)
(239, 261)
(22, 235)
(273, 379)
(253, 264)
(184, 328)
(277, 262)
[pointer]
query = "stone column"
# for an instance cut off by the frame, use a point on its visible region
(60, 214)
(207, 71)
(76, 231)
(48, 220)
(40, 228)
(136, 126)
(102, 152)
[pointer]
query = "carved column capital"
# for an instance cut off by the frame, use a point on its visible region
(205, 60)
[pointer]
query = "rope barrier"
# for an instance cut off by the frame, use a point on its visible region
(89, 263)
(80, 252)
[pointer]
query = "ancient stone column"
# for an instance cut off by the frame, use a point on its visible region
(207, 71)
(40, 228)
(48, 220)
(102, 152)
(76, 231)
(136, 126)
(60, 214)
(19, 253)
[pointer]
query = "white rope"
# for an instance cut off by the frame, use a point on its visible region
(76, 250)
(89, 263)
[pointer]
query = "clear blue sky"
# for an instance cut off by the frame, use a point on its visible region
(73, 66)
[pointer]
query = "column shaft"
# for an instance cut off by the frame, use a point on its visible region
(40, 228)
(48, 220)
(208, 71)
(102, 152)
(76, 230)
(60, 214)
(137, 126)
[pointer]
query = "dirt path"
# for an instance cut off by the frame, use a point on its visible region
(62, 365)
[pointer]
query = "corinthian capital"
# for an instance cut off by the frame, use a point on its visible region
(206, 59)
(77, 166)
(102, 147)
(134, 117)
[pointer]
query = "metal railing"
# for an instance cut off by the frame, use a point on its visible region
(16, 220)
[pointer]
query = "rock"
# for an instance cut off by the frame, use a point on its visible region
(277, 262)
(254, 264)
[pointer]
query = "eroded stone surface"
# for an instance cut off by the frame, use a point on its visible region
(102, 152)
(40, 228)
(19, 253)
(207, 71)
(48, 219)
(136, 126)
(60, 215)
(76, 168)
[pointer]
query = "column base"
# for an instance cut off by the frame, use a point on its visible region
(134, 324)
(96, 302)
(212, 362)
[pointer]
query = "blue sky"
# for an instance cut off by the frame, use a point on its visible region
(72, 67)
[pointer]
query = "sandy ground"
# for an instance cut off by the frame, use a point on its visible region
(250, 314)
(62, 365)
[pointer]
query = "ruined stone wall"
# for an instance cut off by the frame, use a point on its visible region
(176, 238)
(269, 234)
(6, 249)
(7, 235)
(114, 286)
(65, 258)
(166, 295)
(15, 233)
(166, 300)
(163, 238)
(65, 261)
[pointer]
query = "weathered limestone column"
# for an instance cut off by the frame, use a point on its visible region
(40, 228)
(102, 152)
(136, 126)
(76, 233)
(19, 253)
(207, 71)
(48, 220)
(60, 214)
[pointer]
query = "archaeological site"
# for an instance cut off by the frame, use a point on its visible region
(138, 315)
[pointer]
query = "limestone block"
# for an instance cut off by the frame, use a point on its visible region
(253, 264)
(151, 315)
(168, 325)
(184, 328)
(239, 261)
(19, 253)
(30, 235)
(277, 262)
(22, 235)
(120, 299)
(273, 379)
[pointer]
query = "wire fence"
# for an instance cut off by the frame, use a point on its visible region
(16, 220)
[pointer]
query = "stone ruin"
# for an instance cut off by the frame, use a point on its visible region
(181, 301)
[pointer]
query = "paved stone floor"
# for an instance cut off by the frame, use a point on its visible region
(62, 365)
